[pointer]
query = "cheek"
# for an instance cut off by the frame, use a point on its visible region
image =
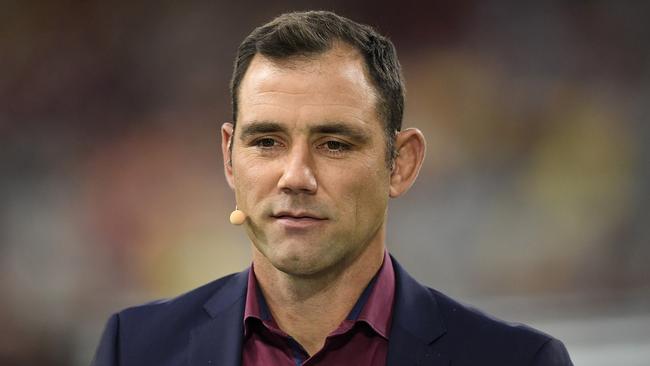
(366, 196)
(251, 179)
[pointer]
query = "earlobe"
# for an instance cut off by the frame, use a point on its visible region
(227, 135)
(411, 147)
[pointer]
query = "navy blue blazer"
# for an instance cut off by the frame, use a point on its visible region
(205, 327)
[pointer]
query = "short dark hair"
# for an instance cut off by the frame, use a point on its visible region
(314, 32)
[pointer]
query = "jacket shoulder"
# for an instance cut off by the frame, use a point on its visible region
(176, 309)
(158, 332)
(473, 335)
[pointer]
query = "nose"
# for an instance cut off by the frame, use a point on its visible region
(298, 173)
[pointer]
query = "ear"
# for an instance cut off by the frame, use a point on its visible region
(411, 147)
(227, 135)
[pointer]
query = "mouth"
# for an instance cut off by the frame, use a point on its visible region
(297, 220)
(297, 215)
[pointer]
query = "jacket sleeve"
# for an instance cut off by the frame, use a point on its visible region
(107, 353)
(552, 353)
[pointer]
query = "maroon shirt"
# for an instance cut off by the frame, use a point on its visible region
(361, 339)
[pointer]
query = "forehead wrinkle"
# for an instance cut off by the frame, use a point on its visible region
(343, 113)
(262, 90)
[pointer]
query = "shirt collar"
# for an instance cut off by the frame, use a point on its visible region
(374, 306)
(377, 308)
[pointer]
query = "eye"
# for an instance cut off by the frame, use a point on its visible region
(265, 143)
(334, 147)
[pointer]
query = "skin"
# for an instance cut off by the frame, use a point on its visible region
(307, 164)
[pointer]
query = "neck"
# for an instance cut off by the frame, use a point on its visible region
(310, 307)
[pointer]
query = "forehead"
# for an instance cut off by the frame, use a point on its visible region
(333, 86)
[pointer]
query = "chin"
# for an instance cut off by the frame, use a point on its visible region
(298, 264)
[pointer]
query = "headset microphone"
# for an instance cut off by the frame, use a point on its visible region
(237, 217)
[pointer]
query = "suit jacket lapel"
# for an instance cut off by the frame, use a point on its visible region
(416, 324)
(219, 341)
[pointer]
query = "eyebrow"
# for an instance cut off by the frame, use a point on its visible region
(260, 127)
(343, 129)
(333, 128)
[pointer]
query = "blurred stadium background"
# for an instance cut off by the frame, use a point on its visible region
(533, 204)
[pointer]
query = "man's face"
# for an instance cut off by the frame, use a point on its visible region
(308, 161)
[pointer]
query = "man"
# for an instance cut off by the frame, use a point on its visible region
(313, 154)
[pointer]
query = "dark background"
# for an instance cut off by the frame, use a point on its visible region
(533, 202)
